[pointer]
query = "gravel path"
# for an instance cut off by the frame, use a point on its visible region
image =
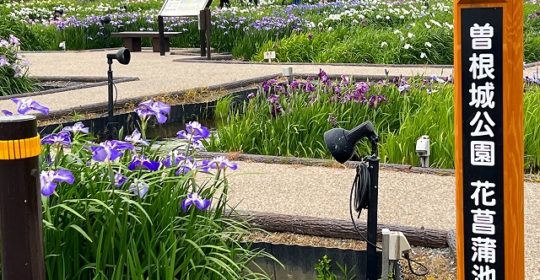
(404, 198)
(159, 74)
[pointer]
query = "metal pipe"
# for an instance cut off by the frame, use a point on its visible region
(371, 262)
(110, 105)
(161, 30)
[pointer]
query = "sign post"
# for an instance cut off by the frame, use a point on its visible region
(187, 8)
(488, 69)
(21, 229)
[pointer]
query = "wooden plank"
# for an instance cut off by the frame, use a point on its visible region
(514, 237)
(143, 34)
(335, 228)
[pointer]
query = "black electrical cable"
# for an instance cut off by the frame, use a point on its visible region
(359, 199)
(409, 260)
(359, 196)
(115, 94)
(115, 98)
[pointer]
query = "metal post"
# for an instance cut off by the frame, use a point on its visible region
(20, 202)
(202, 32)
(161, 29)
(207, 27)
(111, 95)
(372, 219)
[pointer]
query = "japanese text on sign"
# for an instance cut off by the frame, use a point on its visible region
(482, 143)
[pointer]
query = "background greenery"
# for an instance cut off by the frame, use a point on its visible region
(369, 31)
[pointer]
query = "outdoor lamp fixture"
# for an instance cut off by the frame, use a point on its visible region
(342, 143)
(123, 56)
(364, 192)
(105, 20)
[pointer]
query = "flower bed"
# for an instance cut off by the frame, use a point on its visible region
(129, 209)
(13, 68)
(369, 31)
(289, 119)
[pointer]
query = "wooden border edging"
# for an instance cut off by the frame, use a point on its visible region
(91, 82)
(335, 228)
(102, 106)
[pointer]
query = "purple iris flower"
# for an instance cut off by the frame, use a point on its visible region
(194, 199)
(136, 138)
(4, 61)
(110, 150)
(434, 78)
(63, 138)
(50, 179)
(150, 108)
(403, 86)
(221, 163)
(375, 100)
(173, 159)
(186, 166)
(268, 84)
(251, 95)
(194, 132)
(323, 77)
(139, 188)
(276, 110)
(309, 87)
(295, 84)
(24, 105)
(198, 146)
(142, 161)
(273, 98)
(14, 40)
(362, 87)
(345, 80)
(7, 113)
(119, 179)
(77, 128)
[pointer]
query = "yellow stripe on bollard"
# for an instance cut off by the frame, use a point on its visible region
(19, 149)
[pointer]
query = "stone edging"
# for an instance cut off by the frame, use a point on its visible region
(102, 106)
(95, 82)
(232, 61)
(228, 59)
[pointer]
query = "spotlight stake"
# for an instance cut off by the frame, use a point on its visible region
(341, 144)
(123, 56)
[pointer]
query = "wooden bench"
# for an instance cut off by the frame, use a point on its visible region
(132, 39)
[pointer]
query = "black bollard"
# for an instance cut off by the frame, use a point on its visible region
(20, 202)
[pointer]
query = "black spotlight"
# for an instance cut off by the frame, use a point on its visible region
(341, 142)
(105, 20)
(364, 191)
(123, 56)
